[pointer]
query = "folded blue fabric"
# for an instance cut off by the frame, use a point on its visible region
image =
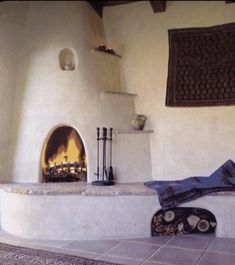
(173, 193)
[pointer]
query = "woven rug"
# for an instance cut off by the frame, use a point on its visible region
(14, 255)
(201, 70)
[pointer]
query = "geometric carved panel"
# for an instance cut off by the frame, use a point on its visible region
(201, 69)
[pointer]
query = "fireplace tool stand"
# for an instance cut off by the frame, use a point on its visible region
(106, 178)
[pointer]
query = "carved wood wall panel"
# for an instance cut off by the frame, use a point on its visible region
(201, 70)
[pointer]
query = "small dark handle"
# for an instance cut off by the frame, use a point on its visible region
(98, 133)
(110, 134)
(104, 133)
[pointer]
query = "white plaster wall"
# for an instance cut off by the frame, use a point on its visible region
(12, 19)
(109, 69)
(186, 141)
(131, 157)
(46, 97)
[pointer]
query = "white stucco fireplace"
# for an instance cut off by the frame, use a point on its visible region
(49, 94)
(64, 90)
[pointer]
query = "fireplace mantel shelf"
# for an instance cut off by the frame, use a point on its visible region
(132, 131)
(106, 53)
(118, 93)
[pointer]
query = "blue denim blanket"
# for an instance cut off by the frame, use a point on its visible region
(173, 193)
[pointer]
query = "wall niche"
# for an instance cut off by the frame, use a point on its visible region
(67, 60)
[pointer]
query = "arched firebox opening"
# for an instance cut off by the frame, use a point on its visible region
(64, 157)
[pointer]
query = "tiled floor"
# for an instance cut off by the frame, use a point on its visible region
(177, 250)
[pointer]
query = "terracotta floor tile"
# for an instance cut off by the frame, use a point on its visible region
(176, 256)
(96, 246)
(210, 258)
(188, 241)
(225, 245)
(133, 250)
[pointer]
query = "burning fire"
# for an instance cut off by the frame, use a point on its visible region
(70, 154)
(64, 156)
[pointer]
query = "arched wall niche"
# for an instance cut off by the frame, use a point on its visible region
(67, 60)
(63, 157)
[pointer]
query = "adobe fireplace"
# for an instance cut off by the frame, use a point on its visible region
(64, 157)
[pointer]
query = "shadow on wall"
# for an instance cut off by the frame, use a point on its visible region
(12, 20)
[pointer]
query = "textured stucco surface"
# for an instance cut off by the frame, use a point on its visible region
(186, 141)
(12, 19)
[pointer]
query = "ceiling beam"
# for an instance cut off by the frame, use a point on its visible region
(114, 3)
(97, 6)
(158, 6)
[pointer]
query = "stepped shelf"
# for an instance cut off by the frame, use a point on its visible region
(132, 131)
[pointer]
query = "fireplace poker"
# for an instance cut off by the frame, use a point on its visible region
(104, 138)
(98, 153)
(110, 177)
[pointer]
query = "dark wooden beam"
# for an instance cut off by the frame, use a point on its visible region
(114, 3)
(158, 6)
(97, 6)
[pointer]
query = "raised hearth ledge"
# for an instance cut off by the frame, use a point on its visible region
(77, 211)
(86, 189)
(80, 211)
(80, 188)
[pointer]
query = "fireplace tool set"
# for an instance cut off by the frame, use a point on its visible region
(105, 176)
